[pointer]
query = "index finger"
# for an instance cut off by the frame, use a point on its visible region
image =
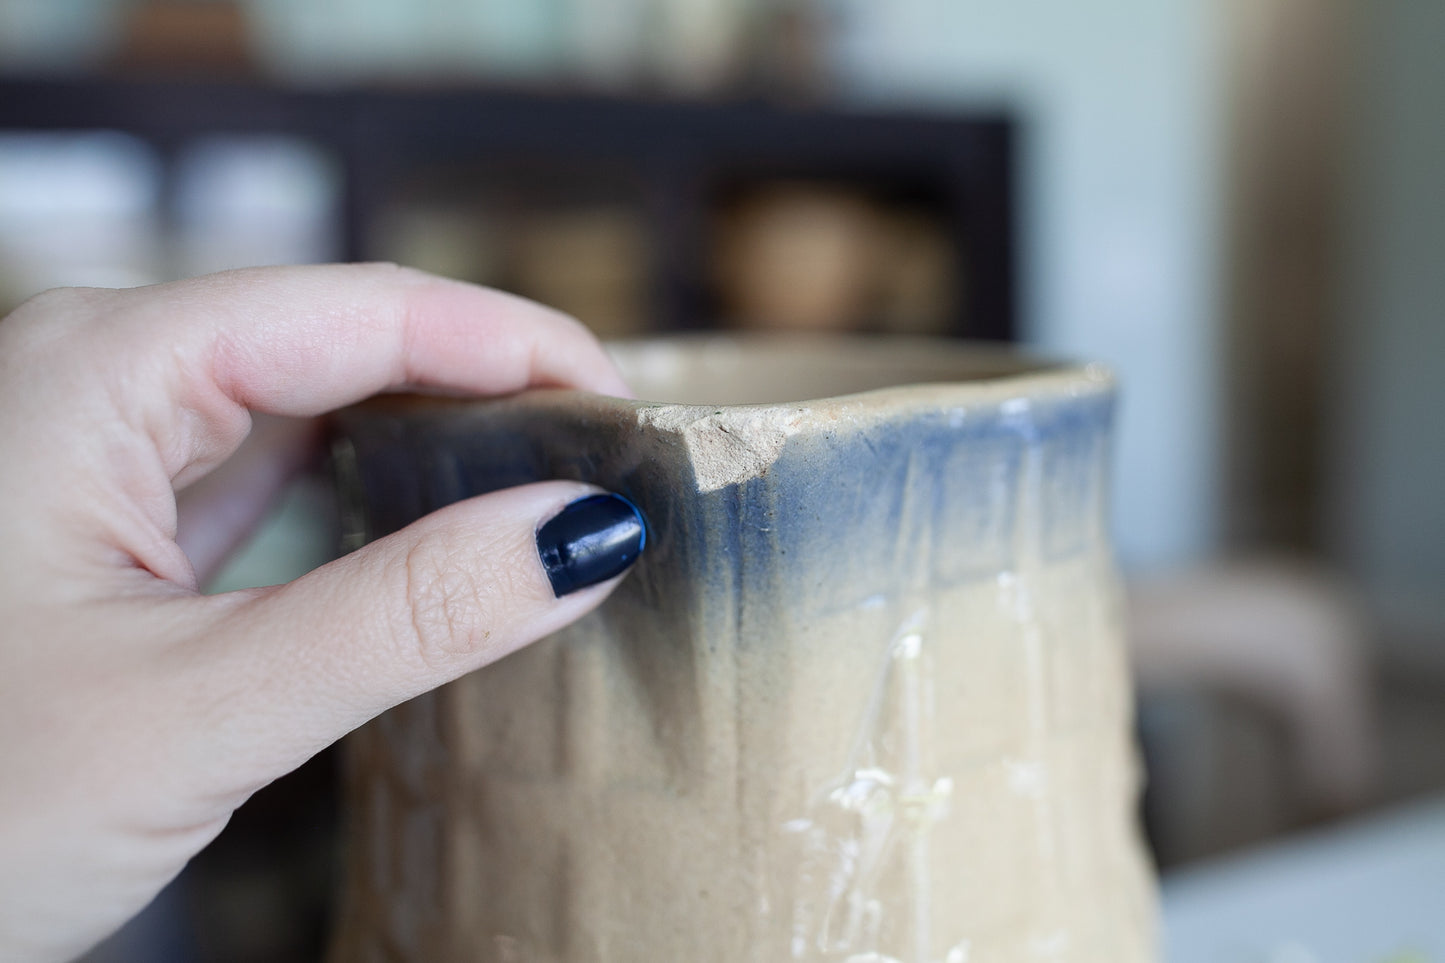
(305, 340)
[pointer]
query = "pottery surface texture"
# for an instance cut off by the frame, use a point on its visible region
(864, 698)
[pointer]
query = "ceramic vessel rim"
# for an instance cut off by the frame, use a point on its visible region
(1022, 375)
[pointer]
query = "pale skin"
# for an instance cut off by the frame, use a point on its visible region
(137, 714)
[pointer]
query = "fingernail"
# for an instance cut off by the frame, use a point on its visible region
(591, 540)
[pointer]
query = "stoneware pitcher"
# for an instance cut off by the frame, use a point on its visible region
(864, 698)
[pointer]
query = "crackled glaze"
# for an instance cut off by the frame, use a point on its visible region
(862, 701)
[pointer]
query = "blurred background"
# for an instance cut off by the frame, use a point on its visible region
(1237, 204)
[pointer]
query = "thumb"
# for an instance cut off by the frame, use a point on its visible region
(453, 591)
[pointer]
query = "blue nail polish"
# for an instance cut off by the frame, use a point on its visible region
(591, 540)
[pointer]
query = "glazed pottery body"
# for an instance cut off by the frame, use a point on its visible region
(863, 698)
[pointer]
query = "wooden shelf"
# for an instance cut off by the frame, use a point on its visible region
(680, 152)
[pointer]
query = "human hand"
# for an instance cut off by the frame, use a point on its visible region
(136, 714)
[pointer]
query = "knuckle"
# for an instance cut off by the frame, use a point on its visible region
(47, 316)
(449, 612)
(55, 300)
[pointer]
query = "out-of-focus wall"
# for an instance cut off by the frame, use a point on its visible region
(1121, 102)
(1388, 511)
(51, 36)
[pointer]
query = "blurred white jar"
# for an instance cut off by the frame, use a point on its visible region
(246, 201)
(77, 209)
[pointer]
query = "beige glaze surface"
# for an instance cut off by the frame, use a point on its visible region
(905, 745)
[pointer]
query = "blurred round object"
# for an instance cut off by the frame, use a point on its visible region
(791, 51)
(589, 262)
(794, 256)
(918, 279)
(184, 36)
(698, 45)
(453, 239)
(606, 41)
